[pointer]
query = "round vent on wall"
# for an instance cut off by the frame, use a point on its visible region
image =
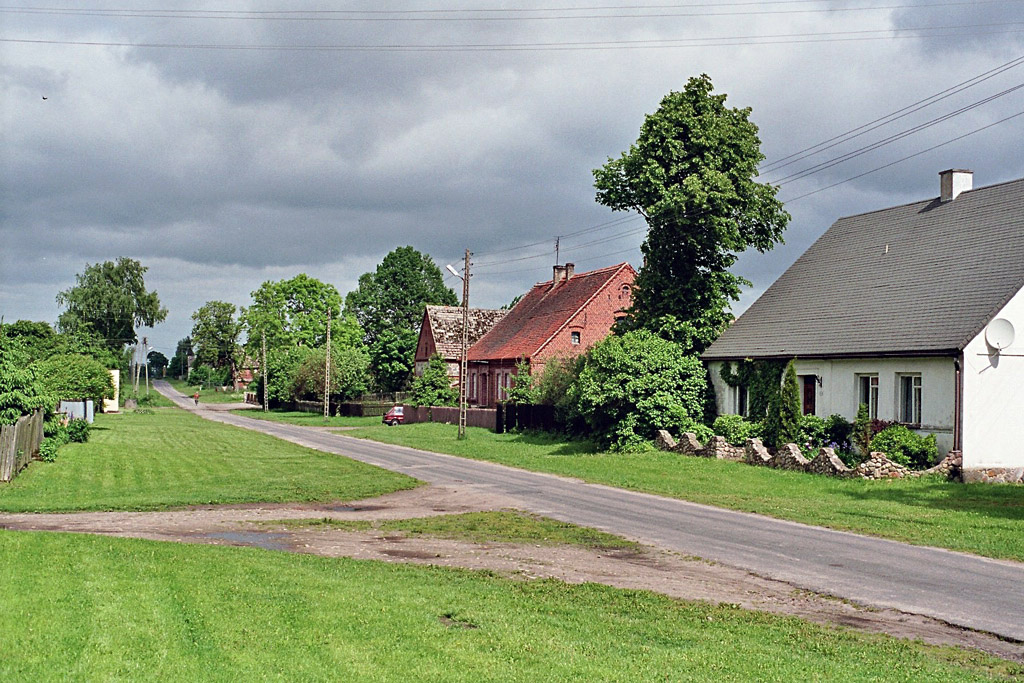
(999, 333)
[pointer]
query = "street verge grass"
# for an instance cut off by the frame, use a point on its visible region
(303, 419)
(171, 458)
(976, 518)
(101, 608)
(493, 526)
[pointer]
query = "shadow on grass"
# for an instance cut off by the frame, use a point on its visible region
(566, 446)
(991, 500)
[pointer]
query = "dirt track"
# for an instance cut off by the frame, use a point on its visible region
(649, 569)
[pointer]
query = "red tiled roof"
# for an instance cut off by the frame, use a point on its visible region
(540, 314)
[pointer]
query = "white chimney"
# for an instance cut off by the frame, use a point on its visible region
(953, 182)
(569, 268)
(558, 276)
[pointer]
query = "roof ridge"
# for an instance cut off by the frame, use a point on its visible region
(929, 199)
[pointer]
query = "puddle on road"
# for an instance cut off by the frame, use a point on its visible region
(267, 540)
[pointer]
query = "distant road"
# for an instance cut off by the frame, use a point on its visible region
(969, 591)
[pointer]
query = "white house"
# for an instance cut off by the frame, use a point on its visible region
(915, 310)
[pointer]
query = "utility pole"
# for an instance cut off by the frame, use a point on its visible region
(327, 370)
(263, 367)
(145, 349)
(465, 344)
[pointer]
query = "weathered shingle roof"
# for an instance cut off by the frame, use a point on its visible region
(446, 326)
(924, 278)
(540, 313)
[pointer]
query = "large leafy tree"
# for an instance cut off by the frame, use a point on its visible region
(349, 373)
(215, 334)
(392, 297)
(72, 376)
(179, 363)
(389, 303)
(21, 391)
(291, 313)
(691, 175)
(111, 299)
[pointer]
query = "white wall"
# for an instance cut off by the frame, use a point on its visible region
(838, 391)
(994, 397)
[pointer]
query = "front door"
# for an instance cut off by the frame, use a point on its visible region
(485, 399)
(809, 382)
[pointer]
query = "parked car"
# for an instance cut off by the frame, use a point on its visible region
(395, 416)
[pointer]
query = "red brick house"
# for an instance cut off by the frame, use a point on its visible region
(441, 334)
(561, 317)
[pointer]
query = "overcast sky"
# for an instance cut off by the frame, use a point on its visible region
(225, 144)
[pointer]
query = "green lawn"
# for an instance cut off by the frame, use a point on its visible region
(976, 518)
(493, 526)
(208, 395)
(78, 607)
(173, 458)
(303, 419)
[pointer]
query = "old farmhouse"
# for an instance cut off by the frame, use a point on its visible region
(916, 311)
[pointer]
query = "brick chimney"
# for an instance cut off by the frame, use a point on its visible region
(569, 268)
(558, 276)
(953, 182)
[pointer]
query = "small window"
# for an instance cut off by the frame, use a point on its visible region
(910, 399)
(472, 385)
(867, 393)
(741, 401)
(575, 338)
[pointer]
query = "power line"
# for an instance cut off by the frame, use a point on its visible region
(889, 118)
(482, 15)
(651, 44)
(910, 156)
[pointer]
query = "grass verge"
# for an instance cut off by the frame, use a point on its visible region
(172, 458)
(976, 518)
(303, 419)
(499, 526)
(207, 395)
(97, 608)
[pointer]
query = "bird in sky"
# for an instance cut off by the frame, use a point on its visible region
(45, 97)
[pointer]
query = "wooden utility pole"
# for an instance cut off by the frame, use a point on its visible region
(327, 370)
(145, 349)
(465, 343)
(263, 367)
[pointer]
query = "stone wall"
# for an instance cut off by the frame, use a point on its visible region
(789, 457)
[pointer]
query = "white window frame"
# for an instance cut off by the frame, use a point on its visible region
(910, 405)
(867, 383)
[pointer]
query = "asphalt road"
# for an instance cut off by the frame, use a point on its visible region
(966, 590)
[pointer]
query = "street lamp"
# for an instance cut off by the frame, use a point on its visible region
(465, 339)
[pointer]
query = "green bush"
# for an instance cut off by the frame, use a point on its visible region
(78, 431)
(48, 449)
(782, 425)
(837, 432)
(906, 447)
(812, 432)
(862, 433)
(434, 386)
(75, 377)
(736, 429)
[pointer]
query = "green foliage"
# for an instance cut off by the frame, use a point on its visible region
(862, 432)
(38, 339)
(349, 373)
(21, 391)
(762, 378)
(907, 447)
(291, 313)
(434, 387)
(178, 366)
(392, 298)
(812, 431)
(522, 390)
(736, 429)
(559, 373)
(632, 385)
(204, 376)
(838, 431)
(110, 299)
(782, 425)
(78, 431)
(73, 377)
(157, 362)
(48, 450)
(215, 333)
(691, 175)
(392, 358)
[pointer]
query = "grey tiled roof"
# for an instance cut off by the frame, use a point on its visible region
(924, 278)
(446, 324)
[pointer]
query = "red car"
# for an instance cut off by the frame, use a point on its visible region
(395, 416)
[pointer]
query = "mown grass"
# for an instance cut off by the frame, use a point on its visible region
(207, 395)
(496, 526)
(975, 518)
(172, 458)
(96, 608)
(303, 419)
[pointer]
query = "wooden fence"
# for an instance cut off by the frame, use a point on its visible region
(19, 444)
(475, 417)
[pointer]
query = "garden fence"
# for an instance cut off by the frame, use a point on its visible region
(19, 444)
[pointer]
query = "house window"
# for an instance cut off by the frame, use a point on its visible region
(740, 403)
(575, 338)
(910, 399)
(472, 385)
(867, 393)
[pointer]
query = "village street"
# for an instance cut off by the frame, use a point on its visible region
(957, 588)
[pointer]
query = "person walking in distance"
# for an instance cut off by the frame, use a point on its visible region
(195, 397)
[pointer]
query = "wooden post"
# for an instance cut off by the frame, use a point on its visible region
(327, 370)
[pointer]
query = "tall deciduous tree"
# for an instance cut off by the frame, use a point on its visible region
(291, 313)
(111, 299)
(215, 334)
(179, 363)
(691, 175)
